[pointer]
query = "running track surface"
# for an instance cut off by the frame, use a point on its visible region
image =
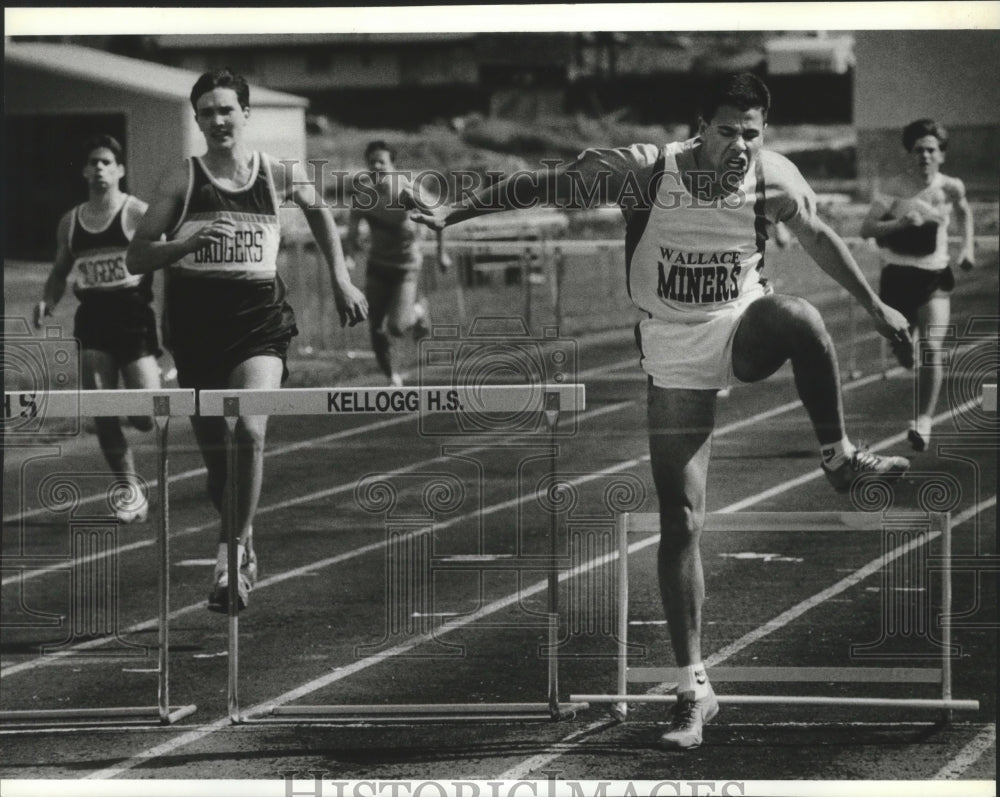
(318, 629)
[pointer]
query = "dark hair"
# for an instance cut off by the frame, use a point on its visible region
(924, 127)
(379, 144)
(742, 90)
(103, 141)
(224, 78)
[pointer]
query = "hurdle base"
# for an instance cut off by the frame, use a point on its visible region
(936, 704)
(432, 712)
(88, 717)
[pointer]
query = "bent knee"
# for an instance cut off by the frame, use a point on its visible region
(802, 325)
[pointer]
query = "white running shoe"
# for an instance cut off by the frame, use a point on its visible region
(688, 720)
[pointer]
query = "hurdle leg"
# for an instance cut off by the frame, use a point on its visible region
(558, 263)
(162, 420)
(552, 418)
(620, 710)
(944, 519)
(853, 372)
(232, 565)
(526, 280)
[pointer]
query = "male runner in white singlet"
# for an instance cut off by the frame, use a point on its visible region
(909, 219)
(115, 322)
(696, 216)
(230, 325)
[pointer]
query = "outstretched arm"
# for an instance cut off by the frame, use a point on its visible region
(55, 285)
(596, 177)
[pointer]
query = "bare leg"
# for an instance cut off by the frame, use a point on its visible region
(932, 318)
(778, 328)
(143, 373)
(257, 373)
(100, 372)
(377, 291)
(680, 442)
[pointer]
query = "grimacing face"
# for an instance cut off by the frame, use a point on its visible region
(220, 118)
(730, 141)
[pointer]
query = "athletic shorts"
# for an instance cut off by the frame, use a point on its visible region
(216, 324)
(697, 356)
(907, 288)
(391, 293)
(119, 322)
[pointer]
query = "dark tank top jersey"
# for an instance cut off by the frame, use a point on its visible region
(252, 253)
(99, 259)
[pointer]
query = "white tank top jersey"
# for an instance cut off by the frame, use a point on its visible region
(692, 266)
(932, 198)
(99, 254)
(252, 253)
(694, 260)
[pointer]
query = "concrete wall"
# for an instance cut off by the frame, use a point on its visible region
(947, 75)
(152, 123)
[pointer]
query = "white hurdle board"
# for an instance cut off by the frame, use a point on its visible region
(101, 403)
(393, 400)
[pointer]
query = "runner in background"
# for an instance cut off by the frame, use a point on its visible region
(115, 322)
(909, 220)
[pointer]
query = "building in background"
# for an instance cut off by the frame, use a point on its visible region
(408, 80)
(57, 95)
(949, 75)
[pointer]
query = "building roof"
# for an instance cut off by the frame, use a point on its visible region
(198, 41)
(129, 73)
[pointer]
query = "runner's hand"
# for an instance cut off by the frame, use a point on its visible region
(352, 306)
(894, 327)
(216, 232)
(435, 218)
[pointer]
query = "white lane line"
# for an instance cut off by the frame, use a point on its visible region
(970, 754)
(521, 770)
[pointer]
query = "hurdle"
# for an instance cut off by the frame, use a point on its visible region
(161, 405)
(797, 522)
(550, 400)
